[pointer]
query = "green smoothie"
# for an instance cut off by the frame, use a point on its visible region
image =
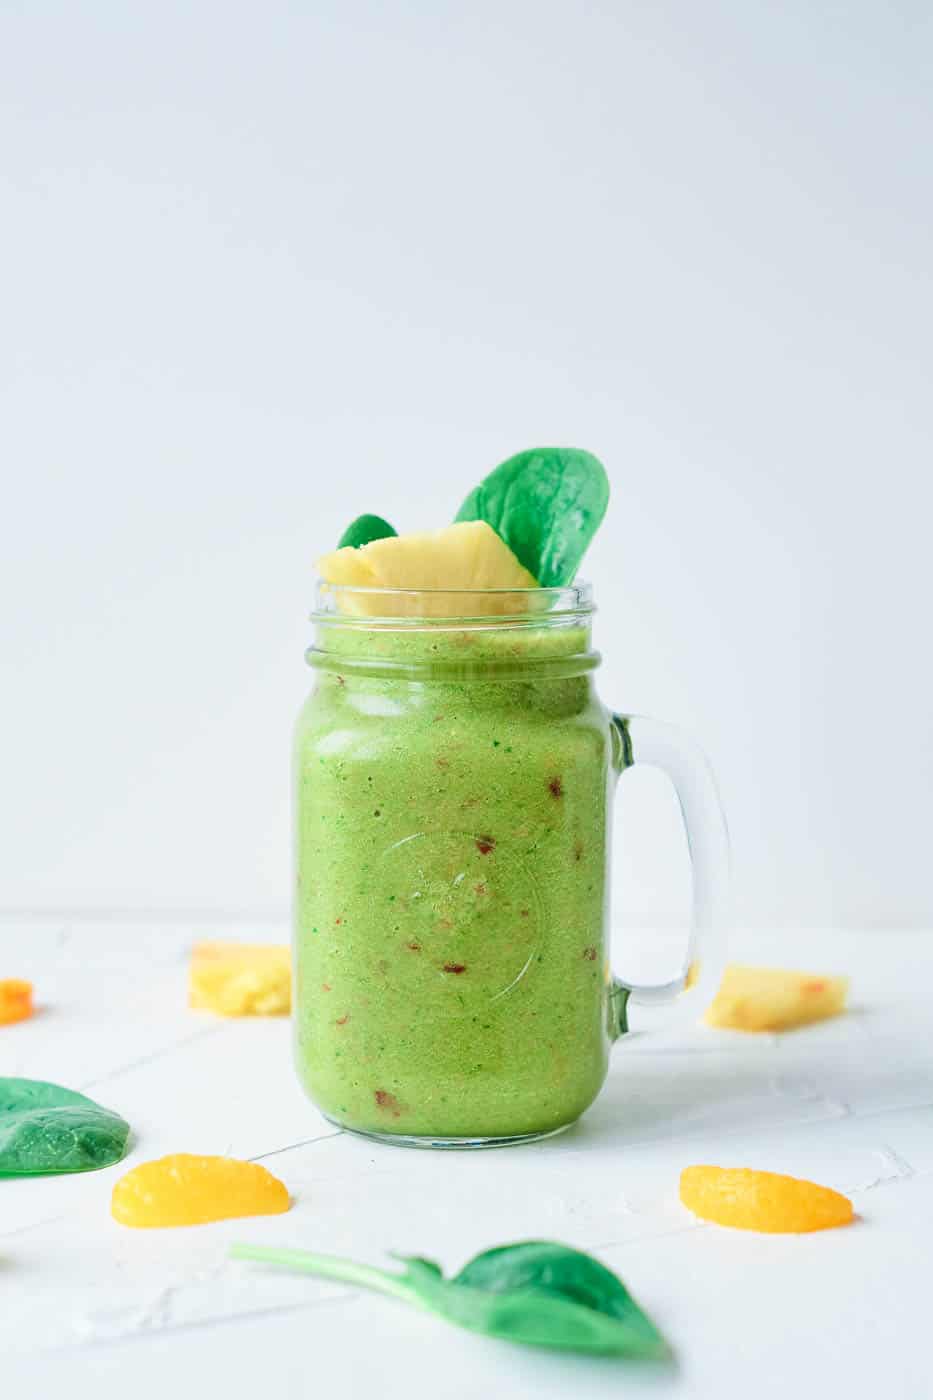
(452, 786)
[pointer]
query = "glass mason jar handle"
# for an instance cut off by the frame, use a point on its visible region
(640, 740)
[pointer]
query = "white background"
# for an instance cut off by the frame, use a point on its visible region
(264, 266)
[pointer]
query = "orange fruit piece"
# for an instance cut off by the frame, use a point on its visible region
(769, 999)
(765, 1201)
(15, 1000)
(240, 979)
(184, 1189)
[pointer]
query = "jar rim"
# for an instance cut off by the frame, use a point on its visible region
(349, 605)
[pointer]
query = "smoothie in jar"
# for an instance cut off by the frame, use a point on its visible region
(452, 787)
(452, 773)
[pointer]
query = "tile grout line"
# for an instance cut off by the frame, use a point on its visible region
(202, 1034)
(292, 1146)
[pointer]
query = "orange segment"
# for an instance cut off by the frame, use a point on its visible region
(770, 999)
(184, 1189)
(15, 1000)
(765, 1201)
(240, 979)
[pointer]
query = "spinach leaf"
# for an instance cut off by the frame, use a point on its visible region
(538, 1293)
(46, 1129)
(547, 504)
(364, 529)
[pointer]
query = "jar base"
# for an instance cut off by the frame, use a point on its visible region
(450, 1144)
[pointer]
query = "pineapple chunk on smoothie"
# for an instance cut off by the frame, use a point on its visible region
(458, 559)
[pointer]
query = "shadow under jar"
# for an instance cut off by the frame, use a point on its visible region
(454, 771)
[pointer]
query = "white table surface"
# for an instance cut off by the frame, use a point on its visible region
(89, 1308)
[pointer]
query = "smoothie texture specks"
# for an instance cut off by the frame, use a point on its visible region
(388, 1103)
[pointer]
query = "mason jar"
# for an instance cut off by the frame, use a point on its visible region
(454, 775)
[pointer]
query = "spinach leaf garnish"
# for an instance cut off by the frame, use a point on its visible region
(547, 504)
(363, 530)
(538, 1293)
(46, 1129)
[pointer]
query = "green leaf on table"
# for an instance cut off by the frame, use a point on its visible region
(538, 1293)
(363, 530)
(547, 504)
(46, 1129)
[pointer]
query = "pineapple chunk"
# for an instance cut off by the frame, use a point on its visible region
(466, 556)
(769, 999)
(237, 979)
(348, 566)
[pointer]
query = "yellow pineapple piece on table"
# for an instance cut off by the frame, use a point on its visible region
(240, 979)
(770, 999)
(463, 557)
(764, 1201)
